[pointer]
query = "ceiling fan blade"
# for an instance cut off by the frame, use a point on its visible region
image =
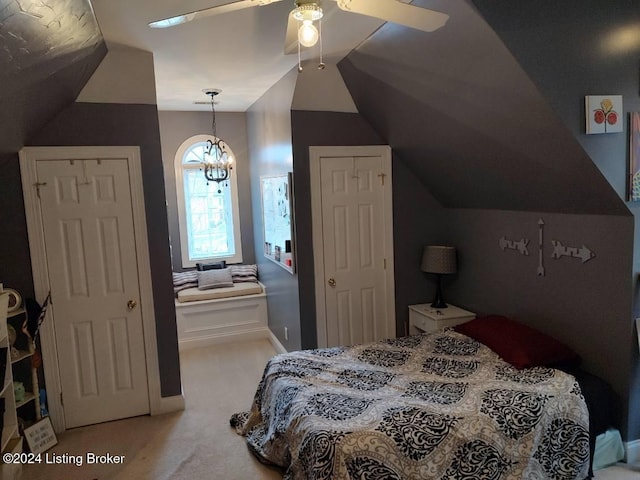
(397, 12)
(207, 12)
(291, 38)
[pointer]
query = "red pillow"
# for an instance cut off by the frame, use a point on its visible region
(518, 344)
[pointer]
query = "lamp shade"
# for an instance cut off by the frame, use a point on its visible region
(439, 259)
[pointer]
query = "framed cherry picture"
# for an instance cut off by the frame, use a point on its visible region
(603, 114)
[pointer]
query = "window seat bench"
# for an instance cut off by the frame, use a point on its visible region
(206, 317)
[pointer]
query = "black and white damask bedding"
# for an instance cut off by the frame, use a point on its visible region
(433, 406)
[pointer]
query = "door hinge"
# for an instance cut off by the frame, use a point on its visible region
(382, 175)
(38, 185)
(385, 263)
(61, 400)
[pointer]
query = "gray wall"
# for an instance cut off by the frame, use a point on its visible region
(418, 220)
(175, 128)
(466, 118)
(270, 152)
(476, 131)
(117, 124)
(586, 305)
(571, 49)
(36, 84)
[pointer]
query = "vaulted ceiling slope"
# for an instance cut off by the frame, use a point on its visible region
(459, 110)
(48, 51)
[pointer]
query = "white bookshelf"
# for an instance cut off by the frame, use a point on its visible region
(11, 440)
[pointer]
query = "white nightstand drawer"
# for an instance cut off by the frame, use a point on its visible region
(425, 318)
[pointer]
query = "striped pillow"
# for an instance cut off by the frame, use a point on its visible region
(244, 273)
(183, 280)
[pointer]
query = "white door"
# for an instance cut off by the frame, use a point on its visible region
(91, 258)
(353, 249)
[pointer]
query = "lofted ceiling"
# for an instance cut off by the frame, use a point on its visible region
(455, 104)
(240, 52)
(48, 51)
(467, 119)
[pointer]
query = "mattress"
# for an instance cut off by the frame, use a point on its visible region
(238, 290)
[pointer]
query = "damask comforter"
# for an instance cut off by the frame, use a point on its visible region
(433, 406)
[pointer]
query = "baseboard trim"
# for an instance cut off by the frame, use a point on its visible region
(207, 340)
(169, 405)
(276, 343)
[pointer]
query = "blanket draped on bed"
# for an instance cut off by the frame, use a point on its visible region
(439, 406)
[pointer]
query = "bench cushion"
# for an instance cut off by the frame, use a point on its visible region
(238, 289)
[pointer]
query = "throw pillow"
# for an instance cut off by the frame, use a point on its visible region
(211, 266)
(244, 273)
(184, 280)
(214, 279)
(520, 345)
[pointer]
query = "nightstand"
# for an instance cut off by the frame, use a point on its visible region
(424, 318)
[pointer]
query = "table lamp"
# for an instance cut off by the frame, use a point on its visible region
(441, 260)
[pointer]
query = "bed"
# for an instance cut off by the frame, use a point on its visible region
(440, 405)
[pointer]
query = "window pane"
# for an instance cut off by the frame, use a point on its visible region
(195, 155)
(209, 216)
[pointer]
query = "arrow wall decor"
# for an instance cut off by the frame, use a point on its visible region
(520, 246)
(560, 250)
(540, 248)
(584, 253)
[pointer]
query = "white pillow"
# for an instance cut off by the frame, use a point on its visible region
(214, 279)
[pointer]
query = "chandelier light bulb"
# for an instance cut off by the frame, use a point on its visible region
(308, 34)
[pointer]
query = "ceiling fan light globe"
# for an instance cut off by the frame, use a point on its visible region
(308, 34)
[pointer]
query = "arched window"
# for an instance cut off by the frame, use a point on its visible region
(209, 220)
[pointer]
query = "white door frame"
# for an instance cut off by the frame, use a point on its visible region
(28, 158)
(315, 154)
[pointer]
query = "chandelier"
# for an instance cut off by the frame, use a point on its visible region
(218, 160)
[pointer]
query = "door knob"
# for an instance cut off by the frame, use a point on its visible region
(131, 304)
(332, 282)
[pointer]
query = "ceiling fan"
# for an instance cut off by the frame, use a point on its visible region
(307, 11)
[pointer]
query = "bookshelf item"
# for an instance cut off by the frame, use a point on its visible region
(10, 439)
(22, 351)
(40, 436)
(16, 367)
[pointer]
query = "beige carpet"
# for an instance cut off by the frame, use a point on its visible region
(617, 472)
(197, 443)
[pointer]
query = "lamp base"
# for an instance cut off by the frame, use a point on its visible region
(438, 301)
